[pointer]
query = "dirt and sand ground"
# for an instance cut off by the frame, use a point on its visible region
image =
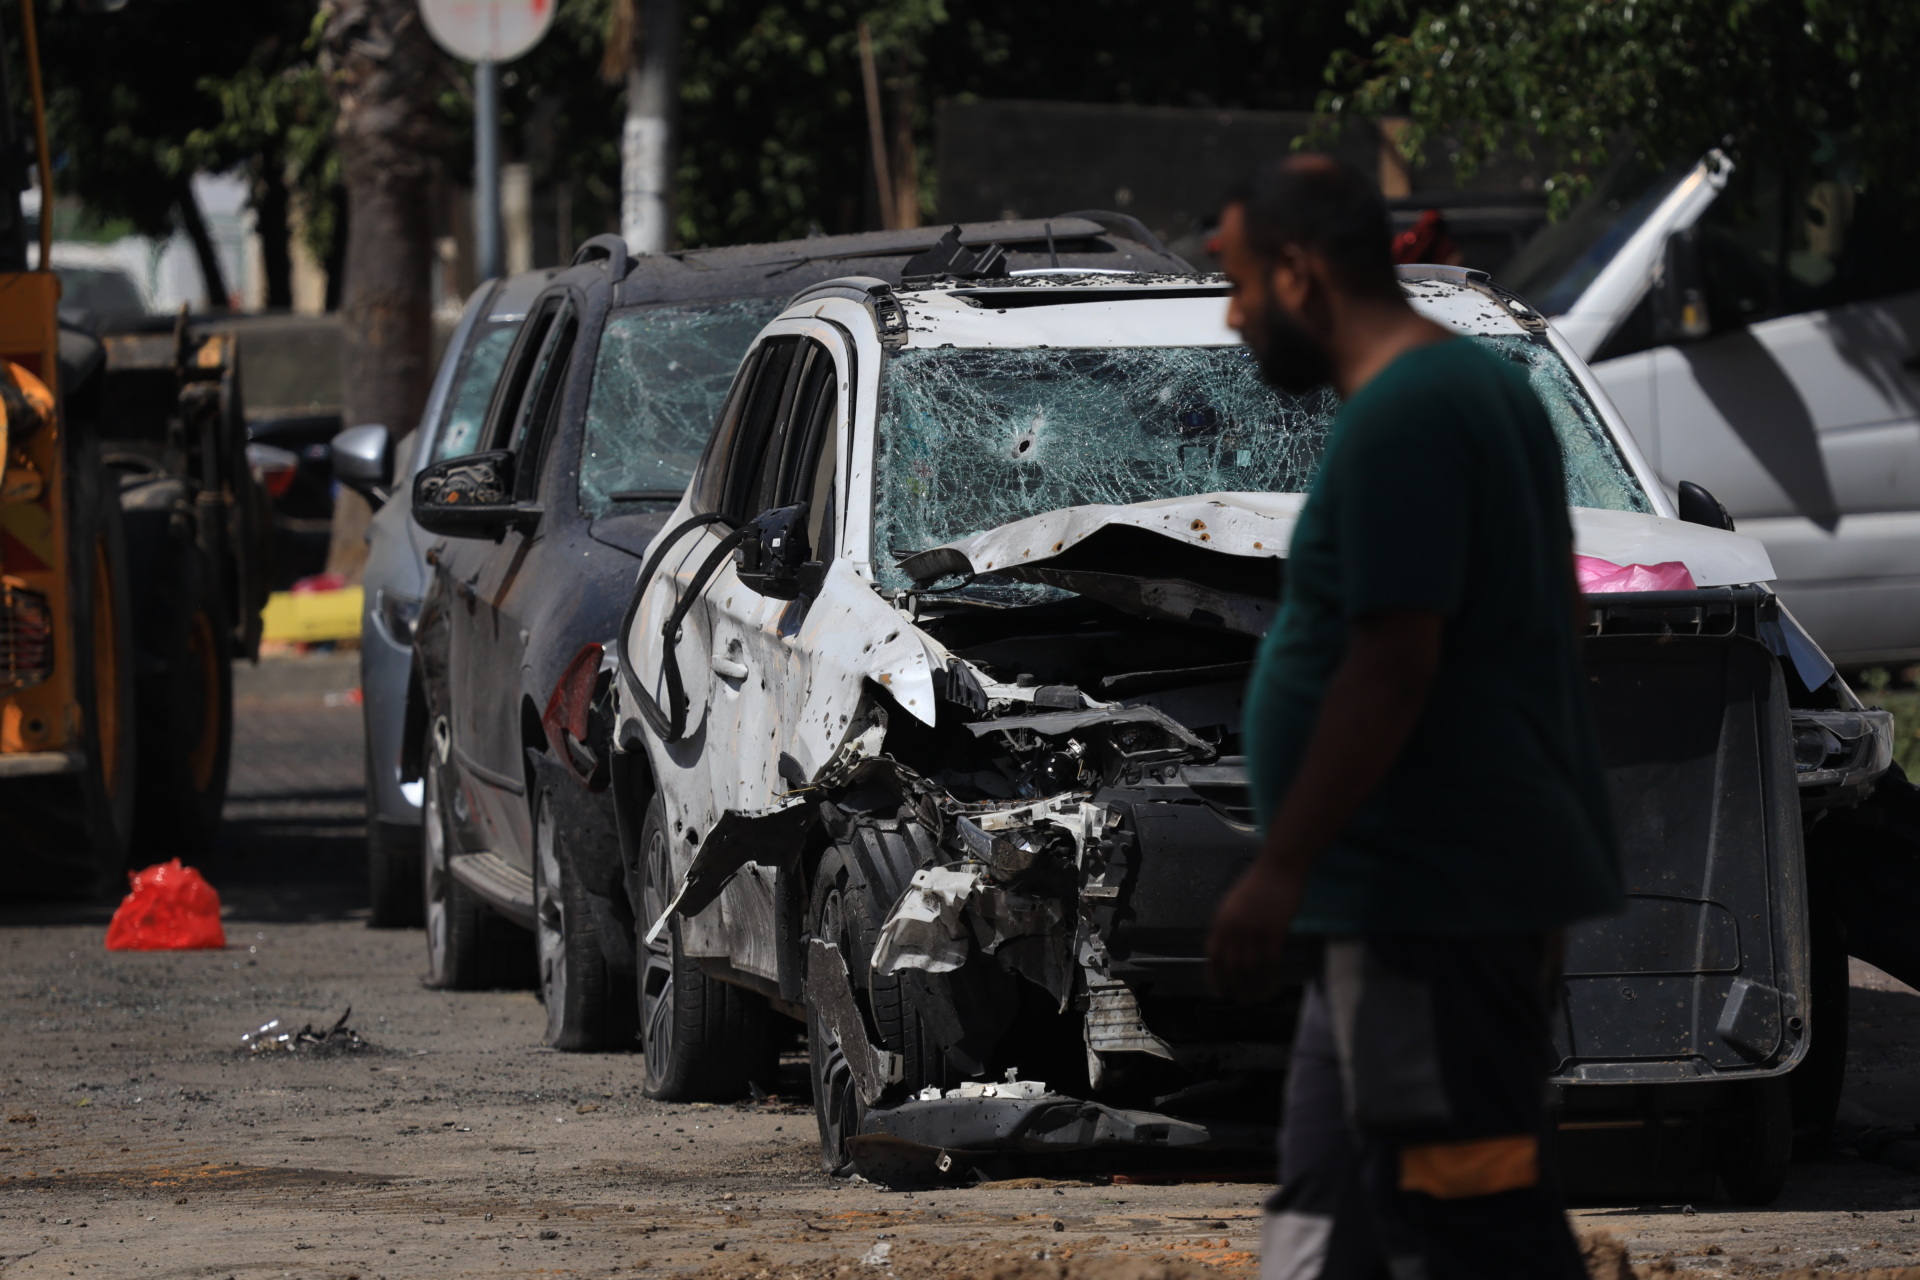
(140, 1139)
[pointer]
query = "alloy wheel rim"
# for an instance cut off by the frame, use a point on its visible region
(433, 869)
(550, 922)
(834, 1087)
(656, 963)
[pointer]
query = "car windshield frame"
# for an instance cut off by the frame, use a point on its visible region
(1600, 472)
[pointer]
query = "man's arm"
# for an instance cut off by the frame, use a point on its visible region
(1371, 706)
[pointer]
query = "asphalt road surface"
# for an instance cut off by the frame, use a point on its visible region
(141, 1139)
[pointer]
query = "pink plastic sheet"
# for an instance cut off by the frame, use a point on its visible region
(1597, 576)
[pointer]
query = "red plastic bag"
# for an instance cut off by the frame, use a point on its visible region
(1597, 576)
(171, 908)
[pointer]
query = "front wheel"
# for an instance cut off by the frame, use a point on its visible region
(468, 947)
(1755, 1148)
(842, 915)
(705, 1041)
(589, 1006)
(186, 717)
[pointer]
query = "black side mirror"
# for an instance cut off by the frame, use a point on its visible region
(470, 497)
(1697, 506)
(363, 461)
(774, 554)
(1679, 293)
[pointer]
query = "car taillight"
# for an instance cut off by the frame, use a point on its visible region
(26, 637)
(565, 718)
(273, 467)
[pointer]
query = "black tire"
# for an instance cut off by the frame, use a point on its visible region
(469, 948)
(68, 835)
(394, 876)
(1755, 1147)
(842, 913)
(589, 1007)
(704, 1040)
(186, 713)
(1816, 1083)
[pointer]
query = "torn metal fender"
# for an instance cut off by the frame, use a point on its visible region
(830, 994)
(851, 636)
(924, 929)
(738, 838)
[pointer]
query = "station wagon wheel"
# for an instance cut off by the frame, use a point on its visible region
(459, 928)
(704, 1040)
(588, 1007)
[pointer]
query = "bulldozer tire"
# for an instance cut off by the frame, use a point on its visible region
(70, 833)
(186, 714)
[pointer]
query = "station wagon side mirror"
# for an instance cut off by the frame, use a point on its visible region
(1680, 293)
(470, 497)
(1697, 506)
(363, 461)
(775, 555)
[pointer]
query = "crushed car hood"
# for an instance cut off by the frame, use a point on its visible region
(1260, 525)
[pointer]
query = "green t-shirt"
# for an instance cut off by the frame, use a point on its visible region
(1441, 490)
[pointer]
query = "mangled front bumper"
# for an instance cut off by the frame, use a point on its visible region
(927, 1138)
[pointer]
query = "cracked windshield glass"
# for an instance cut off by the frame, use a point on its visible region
(657, 386)
(974, 438)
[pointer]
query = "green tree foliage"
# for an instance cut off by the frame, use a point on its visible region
(773, 120)
(1572, 78)
(277, 122)
(116, 114)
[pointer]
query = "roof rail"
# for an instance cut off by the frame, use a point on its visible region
(1437, 271)
(1123, 222)
(609, 248)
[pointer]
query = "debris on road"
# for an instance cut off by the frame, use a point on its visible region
(338, 1038)
(170, 907)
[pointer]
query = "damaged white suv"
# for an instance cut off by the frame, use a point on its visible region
(929, 716)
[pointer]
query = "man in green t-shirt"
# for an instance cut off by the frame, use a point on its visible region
(1422, 762)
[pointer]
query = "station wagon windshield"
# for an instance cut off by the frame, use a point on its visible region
(972, 438)
(658, 382)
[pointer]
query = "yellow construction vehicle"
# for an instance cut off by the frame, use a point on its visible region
(133, 543)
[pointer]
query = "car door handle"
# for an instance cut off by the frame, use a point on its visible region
(728, 666)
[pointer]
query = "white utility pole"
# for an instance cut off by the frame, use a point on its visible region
(646, 142)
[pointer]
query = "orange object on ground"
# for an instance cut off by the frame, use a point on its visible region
(171, 908)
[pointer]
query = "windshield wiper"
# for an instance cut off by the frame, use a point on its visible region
(647, 495)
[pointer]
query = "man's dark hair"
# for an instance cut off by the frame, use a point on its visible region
(1328, 208)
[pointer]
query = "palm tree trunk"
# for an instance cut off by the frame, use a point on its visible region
(384, 71)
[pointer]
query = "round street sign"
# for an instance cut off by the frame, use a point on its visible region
(488, 30)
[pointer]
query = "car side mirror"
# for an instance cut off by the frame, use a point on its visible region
(1697, 506)
(1679, 292)
(774, 554)
(363, 461)
(470, 497)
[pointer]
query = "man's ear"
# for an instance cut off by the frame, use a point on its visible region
(1289, 278)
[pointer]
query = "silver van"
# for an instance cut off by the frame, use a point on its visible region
(1758, 326)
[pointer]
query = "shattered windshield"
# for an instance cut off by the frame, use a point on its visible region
(971, 438)
(657, 386)
(473, 390)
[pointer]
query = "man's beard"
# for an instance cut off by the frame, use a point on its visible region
(1288, 356)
